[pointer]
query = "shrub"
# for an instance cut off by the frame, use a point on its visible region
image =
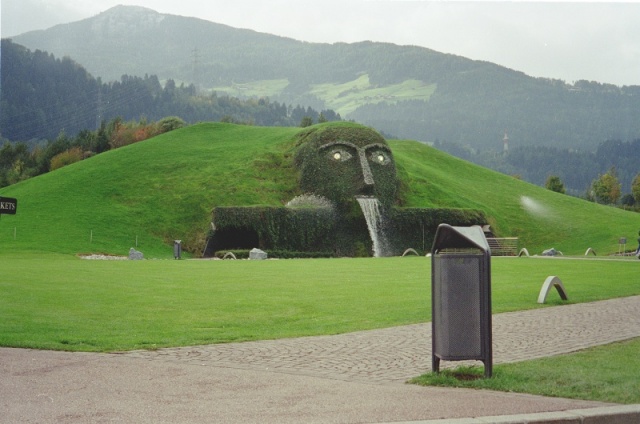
(65, 158)
(169, 123)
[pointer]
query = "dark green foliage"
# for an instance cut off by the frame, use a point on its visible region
(554, 183)
(306, 121)
(42, 95)
(321, 232)
(341, 180)
(635, 188)
(277, 228)
(170, 123)
(416, 227)
(606, 188)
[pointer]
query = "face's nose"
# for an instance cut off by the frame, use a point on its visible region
(367, 175)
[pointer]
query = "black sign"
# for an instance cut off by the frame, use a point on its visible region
(8, 205)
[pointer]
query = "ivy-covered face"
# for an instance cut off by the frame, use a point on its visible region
(347, 162)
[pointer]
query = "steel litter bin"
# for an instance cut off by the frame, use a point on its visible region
(461, 296)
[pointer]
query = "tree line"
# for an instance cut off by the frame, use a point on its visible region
(43, 95)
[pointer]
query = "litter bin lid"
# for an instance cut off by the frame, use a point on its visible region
(451, 237)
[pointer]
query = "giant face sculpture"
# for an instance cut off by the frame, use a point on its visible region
(343, 163)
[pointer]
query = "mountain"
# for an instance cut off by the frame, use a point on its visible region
(407, 91)
(43, 96)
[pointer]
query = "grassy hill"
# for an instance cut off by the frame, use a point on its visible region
(153, 192)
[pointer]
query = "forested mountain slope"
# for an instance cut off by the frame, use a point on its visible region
(450, 99)
(43, 95)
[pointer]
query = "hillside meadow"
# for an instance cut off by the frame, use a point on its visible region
(150, 193)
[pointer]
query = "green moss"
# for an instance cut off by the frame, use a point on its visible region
(342, 162)
(325, 230)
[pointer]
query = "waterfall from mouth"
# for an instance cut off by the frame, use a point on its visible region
(371, 210)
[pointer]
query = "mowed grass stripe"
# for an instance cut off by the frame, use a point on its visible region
(60, 302)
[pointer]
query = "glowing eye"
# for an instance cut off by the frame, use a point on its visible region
(380, 158)
(340, 155)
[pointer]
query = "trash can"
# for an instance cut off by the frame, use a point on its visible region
(177, 249)
(461, 296)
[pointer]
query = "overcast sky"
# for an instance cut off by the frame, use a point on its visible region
(569, 41)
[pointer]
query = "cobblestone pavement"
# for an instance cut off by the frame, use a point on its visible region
(397, 354)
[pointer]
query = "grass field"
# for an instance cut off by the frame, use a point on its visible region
(346, 98)
(53, 301)
(262, 88)
(343, 98)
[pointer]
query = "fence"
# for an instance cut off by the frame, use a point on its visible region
(507, 246)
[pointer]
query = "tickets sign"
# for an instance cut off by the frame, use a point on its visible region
(8, 205)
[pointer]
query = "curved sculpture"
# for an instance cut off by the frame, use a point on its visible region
(410, 250)
(523, 251)
(590, 250)
(552, 281)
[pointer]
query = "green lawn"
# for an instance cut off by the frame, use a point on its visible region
(52, 301)
(605, 373)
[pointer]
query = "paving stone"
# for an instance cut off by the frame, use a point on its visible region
(394, 355)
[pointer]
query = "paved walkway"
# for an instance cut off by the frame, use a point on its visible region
(349, 378)
(394, 355)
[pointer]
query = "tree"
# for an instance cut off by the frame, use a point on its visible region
(628, 200)
(606, 188)
(65, 158)
(306, 121)
(635, 188)
(554, 183)
(170, 123)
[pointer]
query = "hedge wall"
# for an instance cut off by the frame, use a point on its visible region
(323, 230)
(416, 227)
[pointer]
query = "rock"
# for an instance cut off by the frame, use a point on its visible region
(134, 255)
(257, 254)
(551, 252)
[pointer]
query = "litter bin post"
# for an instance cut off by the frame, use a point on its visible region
(461, 296)
(177, 249)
